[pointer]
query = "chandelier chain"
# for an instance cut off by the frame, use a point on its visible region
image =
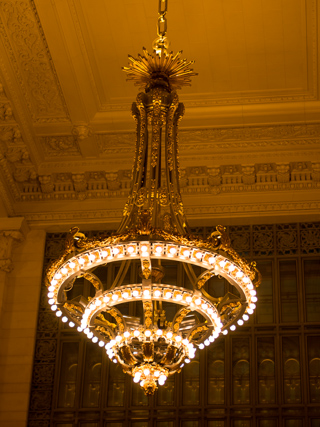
(162, 19)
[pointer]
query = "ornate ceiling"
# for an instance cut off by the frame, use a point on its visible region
(250, 138)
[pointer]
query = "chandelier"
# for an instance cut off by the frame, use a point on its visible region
(175, 320)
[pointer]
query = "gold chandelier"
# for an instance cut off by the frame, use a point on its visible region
(153, 229)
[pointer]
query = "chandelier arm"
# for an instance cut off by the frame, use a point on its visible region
(191, 274)
(121, 274)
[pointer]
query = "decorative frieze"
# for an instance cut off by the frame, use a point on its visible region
(194, 180)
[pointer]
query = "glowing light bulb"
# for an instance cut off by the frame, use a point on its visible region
(71, 324)
(207, 342)
(114, 297)
(92, 257)
(125, 295)
(250, 311)
(254, 299)
(240, 322)
(232, 327)
(118, 338)
(101, 343)
(95, 339)
(186, 253)
(148, 333)
(187, 360)
(252, 306)
(146, 372)
(225, 332)
(188, 299)
(126, 334)
(54, 307)
(178, 338)
(156, 374)
(144, 248)
(197, 301)
(159, 249)
(81, 261)
(169, 335)
(51, 301)
(116, 251)
(245, 317)
(90, 335)
(64, 319)
(168, 294)
(146, 293)
(136, 333)
(130, 249)
(135, 293)
(159, 332)
(199, 255)
(211, 260)
(178, 297)
(72, 265)
(64, 270)
(157, 293)
(201, 346)
(173, 251)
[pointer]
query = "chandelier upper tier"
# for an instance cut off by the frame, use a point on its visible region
(152, 327)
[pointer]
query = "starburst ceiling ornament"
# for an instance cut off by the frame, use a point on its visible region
(149, 326)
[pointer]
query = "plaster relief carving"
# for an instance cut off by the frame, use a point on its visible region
(283, 174)
(316, 172)
(79, 182)
(5, 112)
(194, 180)
(6, 240)
(115, 143)
(47, 185)
(10, 135)
(60, 145)
(82, 132)
(29, 54)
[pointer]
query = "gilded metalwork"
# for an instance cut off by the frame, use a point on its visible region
(179, 317)
(147, 307)
(119, 319)
(197, 331)
(127, 355)
(169, 356)
(151, 69)
(148, 351)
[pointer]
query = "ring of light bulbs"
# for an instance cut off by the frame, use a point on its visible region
(214, 264)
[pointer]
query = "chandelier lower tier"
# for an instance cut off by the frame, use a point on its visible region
(148, 326)
(152, 348)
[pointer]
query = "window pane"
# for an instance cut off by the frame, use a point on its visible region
(190, 381)
(116, 388)
(241, 423)
(288, 289)
(265, 293)
(291, 369)
(138, 396)
(215, 373)
(268, 423)
(241, 371)
(294, 423)
(68, 374)
(266, 371)
(92, 376)
(312, 289)
(314, 368)
(165, 394)
(216, 423)
(190, 423)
